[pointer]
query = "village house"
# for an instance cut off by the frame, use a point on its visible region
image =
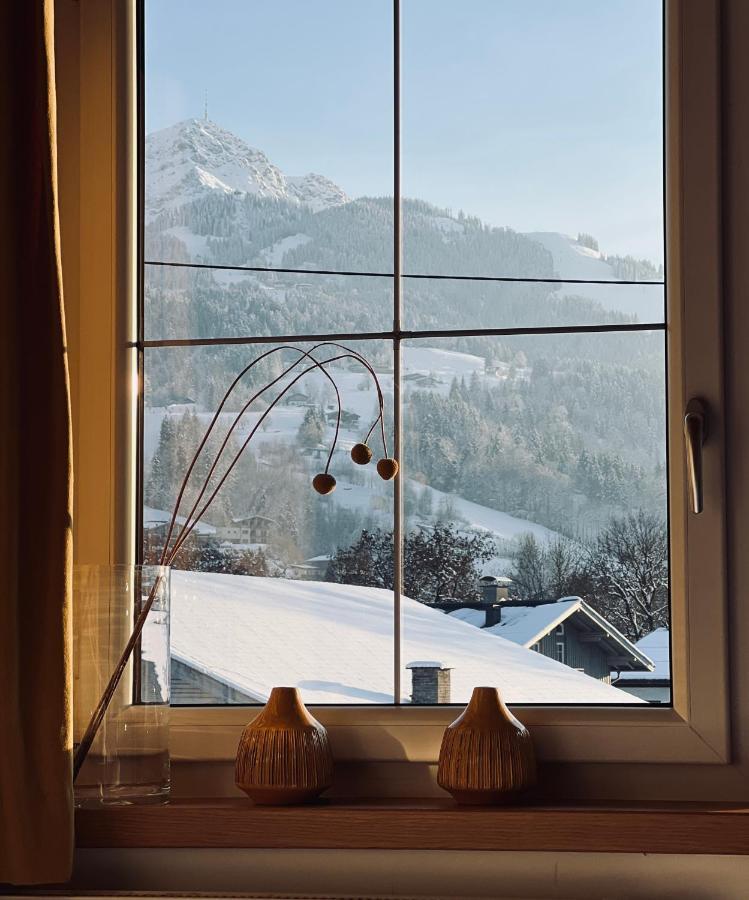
(156, 528)
(422, 379)
(348, 419)
(298, 399)
(655, 686)
(180, 405)
(568, 630)
(253, 529)
(316, 452)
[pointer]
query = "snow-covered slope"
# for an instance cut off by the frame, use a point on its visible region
(335, 643)
(188, 160)
(574, 260)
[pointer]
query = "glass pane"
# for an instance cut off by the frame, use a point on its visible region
(269, 133)
(256, 598)
(207, 303)
(533, 138)
(535, 496)
(449, 303)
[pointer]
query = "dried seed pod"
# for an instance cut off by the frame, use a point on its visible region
(361, 454)
(323, 483)
(387, 468)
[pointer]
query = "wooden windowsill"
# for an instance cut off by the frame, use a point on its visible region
(420, 825)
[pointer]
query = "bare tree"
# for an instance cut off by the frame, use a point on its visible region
(628, 568)
(549, 572)
(528, 570)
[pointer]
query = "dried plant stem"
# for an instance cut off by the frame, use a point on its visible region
(168, 553)
(187, 528)
(234, 424)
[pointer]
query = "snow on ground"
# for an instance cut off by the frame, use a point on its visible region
(484, 518)
(359, 396)
(447, 225)
(446, 364)
(227, 277)
(196, 244)
(655, 645)
(572, 260)
(274, 254)
(468, 515)
(335, 643)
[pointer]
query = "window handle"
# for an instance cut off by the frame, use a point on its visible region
(695, 433)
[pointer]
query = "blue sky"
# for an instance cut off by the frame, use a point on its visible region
(544, 115)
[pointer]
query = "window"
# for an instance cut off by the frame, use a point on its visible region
(494, 247)
(103, 321)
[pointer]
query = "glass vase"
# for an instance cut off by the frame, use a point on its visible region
(128, 761)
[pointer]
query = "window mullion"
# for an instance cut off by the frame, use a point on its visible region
(397, 415)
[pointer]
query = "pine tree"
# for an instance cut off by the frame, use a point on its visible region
(312, 430)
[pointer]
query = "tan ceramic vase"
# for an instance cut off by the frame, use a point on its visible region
(284, 755)
(486, 755)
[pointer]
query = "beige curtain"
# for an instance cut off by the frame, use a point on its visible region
(36, 815)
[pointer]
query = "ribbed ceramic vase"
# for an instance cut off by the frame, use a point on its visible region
(284, 755)
(486, 755)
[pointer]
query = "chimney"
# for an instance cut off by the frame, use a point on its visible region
(493, 590)
(430, 682)
(493, 614)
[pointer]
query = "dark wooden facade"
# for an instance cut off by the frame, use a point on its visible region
(587, 656)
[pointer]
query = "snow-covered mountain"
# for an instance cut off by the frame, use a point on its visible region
(195, 157)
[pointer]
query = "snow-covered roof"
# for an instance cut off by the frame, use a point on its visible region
(475, 617)
(154, 518)
(527, 624)
(657, 646)
(335, 643)
(252, 517)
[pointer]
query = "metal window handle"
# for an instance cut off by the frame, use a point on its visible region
(695, 433)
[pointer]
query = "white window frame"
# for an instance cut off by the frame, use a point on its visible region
(98, 144)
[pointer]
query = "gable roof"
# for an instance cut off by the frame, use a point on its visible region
(335, 643)
(526, 625)
(658, 648)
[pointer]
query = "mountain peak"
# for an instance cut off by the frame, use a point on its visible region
(193, 157)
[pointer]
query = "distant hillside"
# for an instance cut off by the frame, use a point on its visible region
(556, 431)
